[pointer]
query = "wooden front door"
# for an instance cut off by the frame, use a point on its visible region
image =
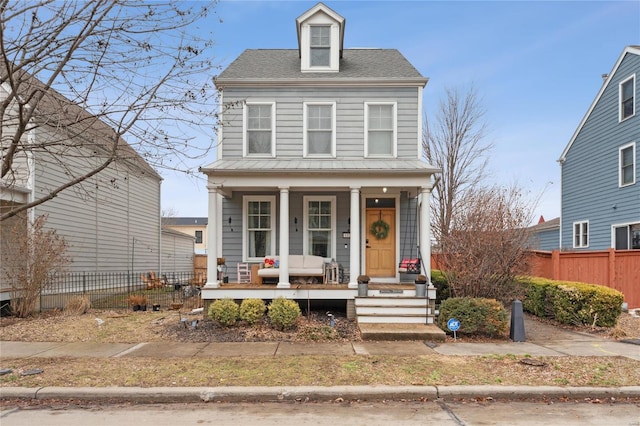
(381, 252)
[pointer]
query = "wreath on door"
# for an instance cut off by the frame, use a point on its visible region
(379, 229)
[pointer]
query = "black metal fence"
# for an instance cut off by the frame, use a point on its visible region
(115, 290)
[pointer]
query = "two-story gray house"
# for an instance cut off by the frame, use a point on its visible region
(319, 154)
(599, 166)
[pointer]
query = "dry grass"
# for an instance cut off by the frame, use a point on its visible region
(132, 327)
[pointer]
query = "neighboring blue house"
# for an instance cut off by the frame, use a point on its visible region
(599, 166)
(545, 235)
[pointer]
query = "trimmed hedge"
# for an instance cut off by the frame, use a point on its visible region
(252, 310)
(224, 311)
(571, 302)
(283, 313)
(476, 315)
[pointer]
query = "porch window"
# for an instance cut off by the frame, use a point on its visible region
(627, 164)
(627, 98)
(627, 237)
(259, 135)
(259, 227)
(319, 129)
(380, 129)
(320, 226)
(581, 234)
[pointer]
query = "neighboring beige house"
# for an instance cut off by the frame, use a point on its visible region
(111, 221)
(194, 226)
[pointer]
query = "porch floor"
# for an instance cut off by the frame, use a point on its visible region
(317, 286)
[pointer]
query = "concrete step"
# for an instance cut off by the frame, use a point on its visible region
(394, 319)
(393, 309)
(429, 332)
(391, 301)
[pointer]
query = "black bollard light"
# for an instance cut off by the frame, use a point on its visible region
(516, 333)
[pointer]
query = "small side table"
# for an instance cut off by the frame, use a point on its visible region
(255, 279)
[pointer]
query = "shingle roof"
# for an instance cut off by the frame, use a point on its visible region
(185, 221)
(284, 64)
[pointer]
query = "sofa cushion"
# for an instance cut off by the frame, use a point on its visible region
(313, 262)
(296, 261)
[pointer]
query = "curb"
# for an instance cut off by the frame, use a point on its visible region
(315, 393)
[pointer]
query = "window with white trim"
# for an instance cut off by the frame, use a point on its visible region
(320, 45)
(259, 129)
(320, 226)
(627, 161)
(319, 129)
(626, 237)
(259, 227)
(627, 98)
(581, 234)
(380, 129)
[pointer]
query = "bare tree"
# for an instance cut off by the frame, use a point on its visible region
(32, 255)
(455, 143)
(487, 244)
(77, 78)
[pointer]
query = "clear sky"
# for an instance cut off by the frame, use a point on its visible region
(537, 66)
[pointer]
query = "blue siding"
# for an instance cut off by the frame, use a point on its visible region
(590, 171)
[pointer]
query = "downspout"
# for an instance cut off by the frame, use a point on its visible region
(159, 229)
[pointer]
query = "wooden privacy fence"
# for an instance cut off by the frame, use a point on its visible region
(617, 269)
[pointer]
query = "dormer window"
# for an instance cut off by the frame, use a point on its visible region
(320, 39)
(320, 46)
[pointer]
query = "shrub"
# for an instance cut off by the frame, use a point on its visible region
(571, 302)
(77, 305)
(283, 313)
(224, 311)
(476, 315)
(252, 310)
(439, 281)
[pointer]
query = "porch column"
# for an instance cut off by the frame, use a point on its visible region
(425, 233)
(354, 252)
(212, 239)
(284, 238)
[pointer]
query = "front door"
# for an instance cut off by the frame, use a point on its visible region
(380, 242)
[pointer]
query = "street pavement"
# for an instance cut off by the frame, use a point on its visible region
(543, 340)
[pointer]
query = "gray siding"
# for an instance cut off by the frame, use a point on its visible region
(546, 240)
(349, 116)
(101, 217)
(177, 252)
(590, 172)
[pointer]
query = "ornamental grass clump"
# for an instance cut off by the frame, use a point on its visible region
(283, 313)
(224, 311)
(252, 310)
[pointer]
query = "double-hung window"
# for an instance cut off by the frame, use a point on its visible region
(320, 226)
(581, 234)
(259, 135)
(198, 237)
(627, 97)
(259, 227)
(627, 161)
(320, 45)
(319, 129)
(380, 129)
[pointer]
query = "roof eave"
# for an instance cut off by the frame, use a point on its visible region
(323, 82)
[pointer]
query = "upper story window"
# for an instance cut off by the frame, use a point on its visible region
(259, 129)
(319, 129)
(581, 234)
(198, 237)
(627, 160)
(259, 227)
(380, 129)
(627, 98)
(320, 45)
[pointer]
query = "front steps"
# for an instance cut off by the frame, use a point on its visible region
(397, 317)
